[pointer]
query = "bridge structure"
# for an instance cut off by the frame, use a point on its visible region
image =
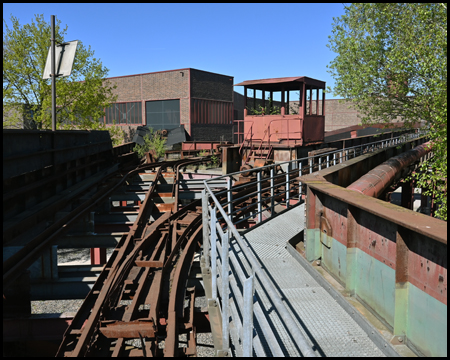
(268, 296)
(261, 233)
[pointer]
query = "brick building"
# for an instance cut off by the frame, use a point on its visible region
(204, 102)
(201, 101)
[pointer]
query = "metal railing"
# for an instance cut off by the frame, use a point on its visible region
(235, 271)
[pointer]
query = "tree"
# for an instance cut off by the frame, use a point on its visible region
(392, 61)
(80, 97)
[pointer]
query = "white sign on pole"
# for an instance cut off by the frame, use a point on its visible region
(65, 54)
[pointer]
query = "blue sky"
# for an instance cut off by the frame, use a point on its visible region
(247, 41)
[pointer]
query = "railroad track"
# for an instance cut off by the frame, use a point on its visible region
(140, 302)
(137, 305)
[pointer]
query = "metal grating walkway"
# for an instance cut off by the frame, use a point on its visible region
(332, 331)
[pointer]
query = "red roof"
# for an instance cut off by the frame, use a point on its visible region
(276, 84)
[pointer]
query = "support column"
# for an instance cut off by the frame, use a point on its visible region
(271, 101)
(98, 256)
(401, 283)
(302, 101)
(264, 101)
(283, 106)
(245, 102)
(352, 241)
(323, 102)
(254, 99)
(310, 101)
(317, 101)
(407, 194)
(312, 231)
(423, 202)
(287, 102)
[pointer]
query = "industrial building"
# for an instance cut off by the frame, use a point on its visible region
(203, 102)
(199, 100)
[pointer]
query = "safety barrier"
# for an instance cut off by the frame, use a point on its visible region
(235, 271)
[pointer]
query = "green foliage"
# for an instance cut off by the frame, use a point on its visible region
(215, 160)
(272, 110)
(116, 133)
(80, 97)
(392, 62)
(153, 142)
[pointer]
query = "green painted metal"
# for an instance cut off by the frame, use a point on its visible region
(312, 244)
(375, 285)
(414, 315)
(401, 309)
(427, 323)
(334, 258)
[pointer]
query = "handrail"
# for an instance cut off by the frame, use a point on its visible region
(299, 338)
(284, 187)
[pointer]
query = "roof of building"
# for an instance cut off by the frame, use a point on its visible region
(277, 84)
(156, 72)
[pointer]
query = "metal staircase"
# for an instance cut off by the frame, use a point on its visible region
(250, 151)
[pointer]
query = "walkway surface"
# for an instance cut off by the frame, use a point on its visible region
(322, 320)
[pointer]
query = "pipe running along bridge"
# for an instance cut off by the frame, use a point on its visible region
(260, 234)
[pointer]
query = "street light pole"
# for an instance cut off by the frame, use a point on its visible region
(53, 75)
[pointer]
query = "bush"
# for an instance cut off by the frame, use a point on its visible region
(153, 142)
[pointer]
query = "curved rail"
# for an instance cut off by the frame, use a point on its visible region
(139, 297)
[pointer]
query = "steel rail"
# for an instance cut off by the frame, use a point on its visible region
(283, 311)
(131, 256)
(14, 265)
(178, 289)
(113, 275)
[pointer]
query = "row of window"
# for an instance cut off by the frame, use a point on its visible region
(165, 114)
(128, 113)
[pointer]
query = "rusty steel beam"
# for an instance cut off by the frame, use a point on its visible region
(128, 329)
(378, 179)
(143, 272)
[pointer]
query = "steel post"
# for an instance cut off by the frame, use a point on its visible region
(300, 183)
(247, 323)
(230, 199)
(258, 180)
(225, 290)
(205, 227)
(213, 253)
(287, 185)
(272, 191)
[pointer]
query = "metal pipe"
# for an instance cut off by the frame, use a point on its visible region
(378, 179)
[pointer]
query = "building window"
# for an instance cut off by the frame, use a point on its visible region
(211, 112)
(163, 114)
(124, 114)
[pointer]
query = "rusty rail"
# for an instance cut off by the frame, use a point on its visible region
(140, 294)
